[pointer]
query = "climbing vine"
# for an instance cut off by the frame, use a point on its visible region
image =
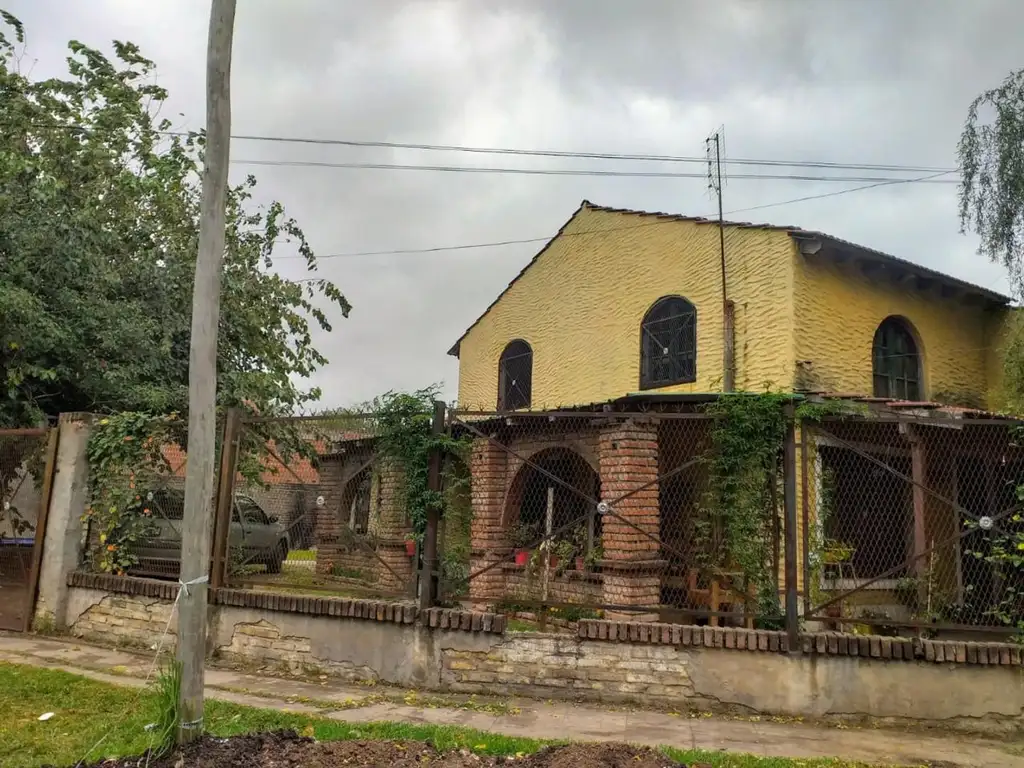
(739, 514)
(125, 453)
(402, 424)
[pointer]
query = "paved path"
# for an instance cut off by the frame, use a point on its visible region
(541, 720)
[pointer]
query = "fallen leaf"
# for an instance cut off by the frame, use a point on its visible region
(46, 716)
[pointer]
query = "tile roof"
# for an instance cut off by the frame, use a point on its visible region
(797, 233)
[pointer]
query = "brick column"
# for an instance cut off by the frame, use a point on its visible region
(628, 460)
(393, 526)
(488, 536)
(328, 517)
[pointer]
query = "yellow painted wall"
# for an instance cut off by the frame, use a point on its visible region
(581, 304)
(838, 310)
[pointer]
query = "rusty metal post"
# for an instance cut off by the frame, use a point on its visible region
(429, 574)
(225, 496)
(805, 503)
(40, 533)
(789, 502)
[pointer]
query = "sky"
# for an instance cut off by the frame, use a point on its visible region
(867, 82)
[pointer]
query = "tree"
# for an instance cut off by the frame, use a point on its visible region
(99, 206)
(991, 155)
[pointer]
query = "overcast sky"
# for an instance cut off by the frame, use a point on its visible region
(871, 81)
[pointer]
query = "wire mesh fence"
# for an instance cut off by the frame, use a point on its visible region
(900, 523)
(23, 455)
(577, 515)
(315, 509)
(913, 524)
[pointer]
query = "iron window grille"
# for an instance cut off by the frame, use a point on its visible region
(515, 376)
(668, 344)
(896, 362)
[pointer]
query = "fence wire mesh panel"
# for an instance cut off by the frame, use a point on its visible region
(136, 507)
(316, 509)
(913, 524)
(22, 476)
(585, 514)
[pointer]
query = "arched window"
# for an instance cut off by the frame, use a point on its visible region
(515, 376)
(668, 343)
(896, 361)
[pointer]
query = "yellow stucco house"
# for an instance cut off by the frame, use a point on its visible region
(623, 301)
(627, 310)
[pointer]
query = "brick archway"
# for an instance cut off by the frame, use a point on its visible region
(526, 500)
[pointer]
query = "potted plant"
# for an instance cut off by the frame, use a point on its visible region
(562, 554)
(410, 546)
(521, 537)
(579, 539)
(593, 557)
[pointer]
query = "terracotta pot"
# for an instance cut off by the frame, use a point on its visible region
(410, 548)
(554, 561)
(522, 557)
(580, 565)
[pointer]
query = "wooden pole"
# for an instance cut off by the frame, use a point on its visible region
(202, 374)
(789, 504)
(225, 496)
(429, 575)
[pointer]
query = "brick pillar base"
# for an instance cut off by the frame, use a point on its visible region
(488, 478)
(393, 526)
(628, 459)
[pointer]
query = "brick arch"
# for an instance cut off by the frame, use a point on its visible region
(565, 462)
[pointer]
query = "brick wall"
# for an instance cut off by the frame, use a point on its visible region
(963, 685)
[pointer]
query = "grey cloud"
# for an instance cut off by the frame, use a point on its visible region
(883, 81)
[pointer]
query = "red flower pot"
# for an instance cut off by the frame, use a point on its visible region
(522, 557)
(580, 565)
(553, 561)
(410, 548)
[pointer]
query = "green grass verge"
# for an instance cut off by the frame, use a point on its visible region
(301, 554)
(86, 712)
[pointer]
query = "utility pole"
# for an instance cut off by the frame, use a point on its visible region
(202, 373)
(713, 151)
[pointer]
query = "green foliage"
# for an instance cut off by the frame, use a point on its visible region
(404, 437)
(168, 701)
(99, 210)
(737, 516)
(991, 156)
(126, 460)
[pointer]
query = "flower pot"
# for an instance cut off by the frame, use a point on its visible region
(522, 557)
(580, 565)
(410, 548)
(553, 561)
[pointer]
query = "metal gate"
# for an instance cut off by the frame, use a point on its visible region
(26, 470)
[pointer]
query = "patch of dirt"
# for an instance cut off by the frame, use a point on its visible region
(285, 749)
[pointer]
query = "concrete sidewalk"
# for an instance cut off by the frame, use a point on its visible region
(529, 718)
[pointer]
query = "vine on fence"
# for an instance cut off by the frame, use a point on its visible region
(739, 512)
(404, 437)
(125, 453)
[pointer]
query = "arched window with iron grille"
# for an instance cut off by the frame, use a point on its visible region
(515, 376)
(896, 361)
(668, 343)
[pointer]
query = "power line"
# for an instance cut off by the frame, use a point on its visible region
(544, 239)
(586, 172)
(644, 157)
(585, 155)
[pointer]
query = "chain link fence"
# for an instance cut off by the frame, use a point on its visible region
(913, 524)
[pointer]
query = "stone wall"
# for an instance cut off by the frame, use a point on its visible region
(968, 686)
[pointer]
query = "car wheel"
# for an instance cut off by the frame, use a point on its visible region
(277, 558)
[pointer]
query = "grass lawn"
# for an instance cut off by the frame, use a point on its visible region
(302, 554)
(86, 711)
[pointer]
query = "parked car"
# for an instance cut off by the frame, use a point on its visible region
(255, 537)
